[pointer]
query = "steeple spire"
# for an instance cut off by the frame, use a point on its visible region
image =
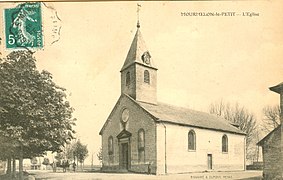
(138, 74)
(138, 53)
(138, 15)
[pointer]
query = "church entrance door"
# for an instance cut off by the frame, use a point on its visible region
(124, 140)
(125, 155)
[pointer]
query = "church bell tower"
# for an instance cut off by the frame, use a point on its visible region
(139, 74)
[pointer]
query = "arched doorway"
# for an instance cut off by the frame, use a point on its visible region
(124, 140)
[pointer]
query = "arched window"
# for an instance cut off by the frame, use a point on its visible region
(146, 76)
(110, 145)
(192, 140)
(110, 150)
(141, 153)
(128, 79)
(224, 143)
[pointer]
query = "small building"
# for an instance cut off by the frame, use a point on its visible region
(272, 145)
(146, 136)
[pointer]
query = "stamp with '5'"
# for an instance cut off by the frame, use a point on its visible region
(23, 26)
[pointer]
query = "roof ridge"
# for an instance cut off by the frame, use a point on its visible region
(137, 102)
(187, 108)
(183, 115)
(266, 136)
(277, 88)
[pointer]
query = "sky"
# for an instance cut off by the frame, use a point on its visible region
(200, 59)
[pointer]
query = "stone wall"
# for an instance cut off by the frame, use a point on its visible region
(146, 92)
(138, 89)
(137, 119)
(272, 167)
(131, 88)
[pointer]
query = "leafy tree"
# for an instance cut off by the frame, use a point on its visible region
(240, 116)
(7, 150)
(33, 160)
(69, 151)
(46, 162)
(37, 116)
(80, 152)
(271, 118)
(59, 156)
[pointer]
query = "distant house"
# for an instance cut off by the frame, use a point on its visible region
(146, 136)
(272, 145)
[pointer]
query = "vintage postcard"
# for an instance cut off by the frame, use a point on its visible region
(141, 90)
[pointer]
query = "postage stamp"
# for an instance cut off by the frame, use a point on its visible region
(23, 26)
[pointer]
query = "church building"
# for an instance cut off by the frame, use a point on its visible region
(146, 136)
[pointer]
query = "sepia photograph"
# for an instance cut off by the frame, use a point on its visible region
(141, 90)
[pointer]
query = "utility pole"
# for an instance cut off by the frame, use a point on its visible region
(92, 161)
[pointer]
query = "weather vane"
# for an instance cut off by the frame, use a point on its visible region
(138, 12)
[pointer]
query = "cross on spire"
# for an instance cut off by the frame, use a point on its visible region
(138, 15)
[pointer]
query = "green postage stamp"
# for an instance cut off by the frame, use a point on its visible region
(23, 26)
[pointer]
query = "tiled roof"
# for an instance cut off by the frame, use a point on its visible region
(278, 88)
(183, 116)
(137, 49)
(261, 142)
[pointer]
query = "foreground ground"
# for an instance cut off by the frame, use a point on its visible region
(48, 175)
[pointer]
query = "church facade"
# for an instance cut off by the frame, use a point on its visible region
(145, 136)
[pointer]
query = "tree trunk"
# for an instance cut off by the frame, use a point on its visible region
(8, 166)
(21, 174)
(14, 167)
(77, 164)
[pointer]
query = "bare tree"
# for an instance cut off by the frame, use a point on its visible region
(240, 116)
(99, 155)
(217, 108)
(271, 117)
